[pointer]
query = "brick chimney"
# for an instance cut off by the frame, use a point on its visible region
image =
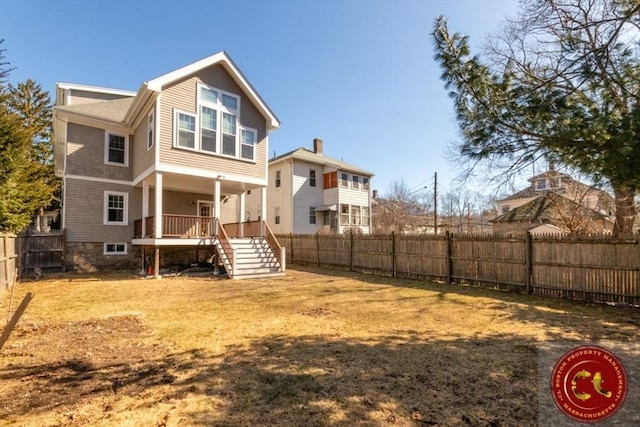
(317, 146)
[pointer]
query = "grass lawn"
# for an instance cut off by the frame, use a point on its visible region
(314, 348)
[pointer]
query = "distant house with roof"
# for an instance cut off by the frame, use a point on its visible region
(555, 203)
(310, 192)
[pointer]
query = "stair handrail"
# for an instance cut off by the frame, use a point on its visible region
(225, 244)
(272, 242)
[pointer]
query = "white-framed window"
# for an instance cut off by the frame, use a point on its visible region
(312, 177)
(365, 216)
(344, 180)
(216, 127)
(344, 214)
(505, 209)
(115, 248)
(365, 183)
(185, 136)
(276, 215)
(248, 143)
(355, 182)
(355, 215)
(541, 184)
(229, 134)
(116, 206)
(278, 181)
(151, 130)
(312, 215)
(208, 129)
(116, 149)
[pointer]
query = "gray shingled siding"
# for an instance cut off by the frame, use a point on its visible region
(85, 154)
(84, 212)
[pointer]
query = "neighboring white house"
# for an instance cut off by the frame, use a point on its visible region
(309, 192)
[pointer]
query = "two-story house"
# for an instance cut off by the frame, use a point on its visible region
(310, 192)
(166, 166)
(555, 203)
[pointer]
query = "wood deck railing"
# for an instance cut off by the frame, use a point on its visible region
(243, 229)
(177, 226)
(273, 242)
(226, 245)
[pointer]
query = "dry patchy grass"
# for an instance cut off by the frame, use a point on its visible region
(314, 348)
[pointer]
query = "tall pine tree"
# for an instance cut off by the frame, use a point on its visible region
(27, 181)
(560, 80)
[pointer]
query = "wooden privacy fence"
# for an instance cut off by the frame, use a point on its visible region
(44, 251)
(585, 268)
(8, 261)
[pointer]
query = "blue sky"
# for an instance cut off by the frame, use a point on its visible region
(359, 74)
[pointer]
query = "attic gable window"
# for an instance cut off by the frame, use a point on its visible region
(185, 130)
(216, 127)
(541, 184)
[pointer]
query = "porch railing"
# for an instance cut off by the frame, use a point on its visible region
(273, 242)
(177, 226)
(225, 244)
(243, 229)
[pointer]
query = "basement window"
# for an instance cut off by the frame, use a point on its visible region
(115, 248)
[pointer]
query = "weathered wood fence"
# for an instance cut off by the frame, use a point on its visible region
(584, 268)
(43, 251)
(8, 261)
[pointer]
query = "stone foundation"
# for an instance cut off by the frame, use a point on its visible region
(90, 257)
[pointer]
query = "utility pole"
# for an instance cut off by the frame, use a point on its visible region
(435, 203)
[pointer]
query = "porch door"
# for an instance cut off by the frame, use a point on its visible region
(205, 220)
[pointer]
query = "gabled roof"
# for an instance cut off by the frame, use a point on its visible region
(126, 111)
(148, 89)
(549, 174)
(113, 111)
(544, 209)
(306, 155)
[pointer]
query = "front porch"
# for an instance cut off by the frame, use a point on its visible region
(246, 249)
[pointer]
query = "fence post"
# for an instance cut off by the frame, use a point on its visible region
(528, 269)
(5, 261)
(291, 246)
(449, 260)
(393, 254)
(351, 250)
(318, 248)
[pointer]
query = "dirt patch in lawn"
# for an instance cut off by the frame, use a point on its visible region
(313, 349)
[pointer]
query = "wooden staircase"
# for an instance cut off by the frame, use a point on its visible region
(252, 258)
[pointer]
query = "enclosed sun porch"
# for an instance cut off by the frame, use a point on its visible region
(192, 211)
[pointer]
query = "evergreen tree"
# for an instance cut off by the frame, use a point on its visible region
(561, 80)
(27, 182)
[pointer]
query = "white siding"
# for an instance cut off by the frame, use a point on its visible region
(349, 196)
(304, 197)
(280, 197)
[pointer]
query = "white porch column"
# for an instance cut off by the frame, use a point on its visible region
(158, 206)
(263, 203)
(243, 207)
(145, 206)
(216, 199)
(263, 209)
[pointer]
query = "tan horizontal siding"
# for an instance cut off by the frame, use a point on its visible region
(84, 212)
(183, 96)
(86, 97)
(143, 158)
(85, 154)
